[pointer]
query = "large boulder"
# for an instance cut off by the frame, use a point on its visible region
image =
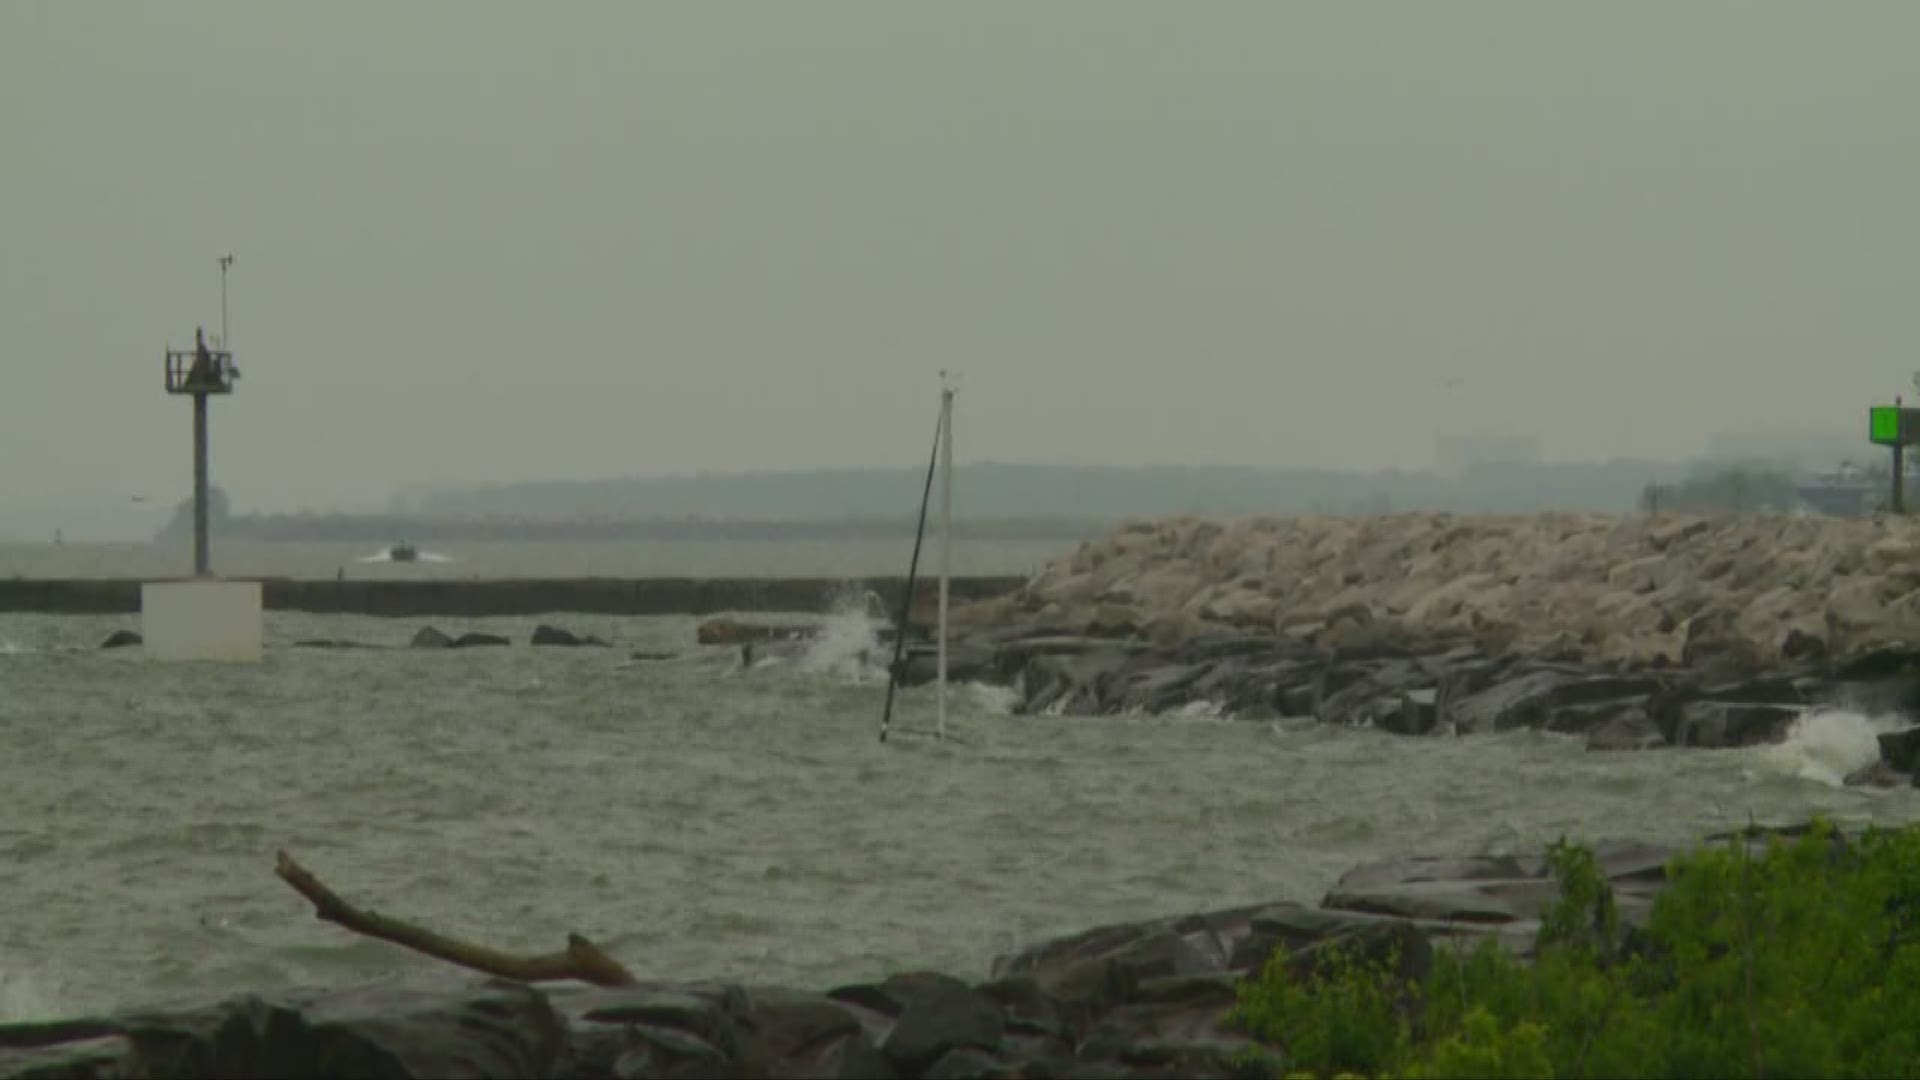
(1535, 697)
(553, 635)
(427, 1028)
(1901, 751)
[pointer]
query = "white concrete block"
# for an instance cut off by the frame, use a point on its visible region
(201, 620)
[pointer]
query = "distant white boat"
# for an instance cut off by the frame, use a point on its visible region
(403, 553)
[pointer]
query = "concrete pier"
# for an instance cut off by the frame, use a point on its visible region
(523, 596)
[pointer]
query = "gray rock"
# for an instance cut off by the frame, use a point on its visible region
(1398, 945)
(799, 1029)
(967, 1063)
(77, 1059)
(965, 663)
(429, 637)
(1370, 692)
(1069, 681)
(1874, 665)
(854, 1058)
(1528, 697)
(477, 640)
(121, 639)
(1901, 751)
(1418, 713)
(498, 1029)
(936, 1023)
(1627, 730)
(1153, 690)
(1726, 724)
(1585, 717)
(653, 1050)
(553, 635)
(1450, 901)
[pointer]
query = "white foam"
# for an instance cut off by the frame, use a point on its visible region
(1200, 710)
(848, 643)
(998, 700)
(8, 648)
(1827, 745)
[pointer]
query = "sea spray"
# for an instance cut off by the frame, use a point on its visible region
(1827, 745)
(848, 644)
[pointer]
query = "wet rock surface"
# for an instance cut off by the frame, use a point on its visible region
(1445, 689)
(556, 636)
(1147, 999)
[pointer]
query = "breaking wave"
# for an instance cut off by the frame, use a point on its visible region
(1827, 745)
(848, 645)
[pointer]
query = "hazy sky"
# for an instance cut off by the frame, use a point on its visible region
(482, 242)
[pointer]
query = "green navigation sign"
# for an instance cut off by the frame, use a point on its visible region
(1883, 425)
(1890, 425)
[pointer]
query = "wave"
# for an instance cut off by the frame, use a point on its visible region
(1827, 745)
(848, 644)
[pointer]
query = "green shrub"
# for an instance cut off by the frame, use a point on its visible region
(1799, 962)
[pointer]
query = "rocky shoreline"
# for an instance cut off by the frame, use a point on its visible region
(1444, 689)
(1631, 633)
(1148, 999)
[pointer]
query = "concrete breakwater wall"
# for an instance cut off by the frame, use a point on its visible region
(529, 596)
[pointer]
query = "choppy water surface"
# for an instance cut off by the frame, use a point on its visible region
(704, 821)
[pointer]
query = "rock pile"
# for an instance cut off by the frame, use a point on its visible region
(1440, 690)
(1147, 999)
(1565, 586)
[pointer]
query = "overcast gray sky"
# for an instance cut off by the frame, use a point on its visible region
(482, 241)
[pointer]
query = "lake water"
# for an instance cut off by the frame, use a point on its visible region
(701, 820)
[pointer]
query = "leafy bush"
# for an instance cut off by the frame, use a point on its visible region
(1802, 961)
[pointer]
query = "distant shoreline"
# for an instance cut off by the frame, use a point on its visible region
(481, 598)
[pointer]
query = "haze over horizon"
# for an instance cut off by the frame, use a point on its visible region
(487, 243)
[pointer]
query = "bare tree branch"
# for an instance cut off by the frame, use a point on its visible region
(581, 960)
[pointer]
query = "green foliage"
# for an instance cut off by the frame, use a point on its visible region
(1800, 961)
(1344, 1016)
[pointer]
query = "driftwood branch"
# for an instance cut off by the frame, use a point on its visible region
(581, 960)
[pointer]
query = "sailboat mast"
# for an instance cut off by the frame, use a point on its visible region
(946, 540)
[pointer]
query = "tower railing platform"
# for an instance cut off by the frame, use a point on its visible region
(190, 371)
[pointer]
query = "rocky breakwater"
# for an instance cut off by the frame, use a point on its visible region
(1149, 999)
(1633, 632)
